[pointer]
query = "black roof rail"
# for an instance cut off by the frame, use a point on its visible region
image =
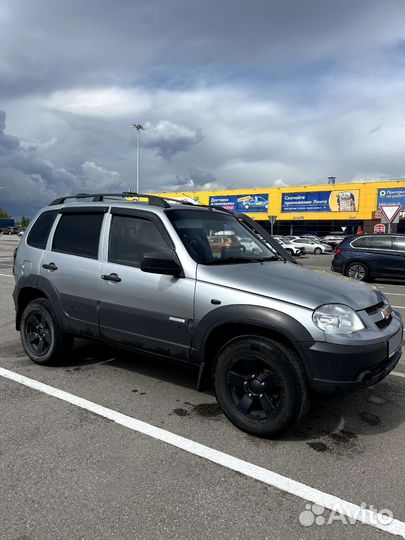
(152, 199)
(98, 197)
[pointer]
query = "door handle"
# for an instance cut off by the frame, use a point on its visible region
(111, 277)
(51, 266)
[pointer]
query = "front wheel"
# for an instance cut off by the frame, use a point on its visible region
(260, 385)
(318, 251)
(41, 336)
(357, 270)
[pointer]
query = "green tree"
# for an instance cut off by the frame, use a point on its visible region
(24, 222)
(4, 214)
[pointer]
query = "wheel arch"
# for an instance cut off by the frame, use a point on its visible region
(246, 320)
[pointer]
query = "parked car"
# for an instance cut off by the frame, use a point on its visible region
(263, 331)
(291, 248)
(313, 247)
(332, 240)
(371, 257)
(312, 237)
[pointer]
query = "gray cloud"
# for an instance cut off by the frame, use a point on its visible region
(30, 181)
(168, 138)
(256, 92)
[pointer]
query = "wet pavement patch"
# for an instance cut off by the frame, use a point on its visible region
(207, 409)
(342, 437)
(370, 418)
(318, 446)
(181, 412)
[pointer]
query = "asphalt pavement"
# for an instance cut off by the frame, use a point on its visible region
(72, 470)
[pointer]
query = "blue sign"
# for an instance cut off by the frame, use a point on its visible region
(391, 197)
(242, 203)
(320, 201)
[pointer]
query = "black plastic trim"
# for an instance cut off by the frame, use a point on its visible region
(84, 210)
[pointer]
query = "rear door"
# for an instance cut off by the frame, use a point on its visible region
(71, 270)
(151, 312)
(399, 249)
(386, 258)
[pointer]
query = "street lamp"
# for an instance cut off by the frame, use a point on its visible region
(138, 128)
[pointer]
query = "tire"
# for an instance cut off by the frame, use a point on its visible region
(357, 270)
(244, 398)
(290, 251)
(318, 251)
(41, 335)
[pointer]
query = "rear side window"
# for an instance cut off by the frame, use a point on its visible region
(78, 234)
(38, 235)
(381, 242)
(362, 242)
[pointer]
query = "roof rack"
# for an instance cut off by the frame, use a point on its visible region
(155, 200)
(98, 197)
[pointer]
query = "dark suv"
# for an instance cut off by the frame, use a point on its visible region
(371, 256)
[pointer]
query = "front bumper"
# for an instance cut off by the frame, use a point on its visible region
(334, 368)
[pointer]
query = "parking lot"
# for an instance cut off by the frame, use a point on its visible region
(70, 469)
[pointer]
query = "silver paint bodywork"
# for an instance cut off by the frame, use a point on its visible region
(274, 285)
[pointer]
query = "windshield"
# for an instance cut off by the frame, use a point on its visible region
(218, 238)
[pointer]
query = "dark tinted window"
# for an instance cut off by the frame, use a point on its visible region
(362, 242)
(381, 242)
(39, 232)
(78, 234)
(131, 238)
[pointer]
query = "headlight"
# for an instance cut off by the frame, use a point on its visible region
(337, 319)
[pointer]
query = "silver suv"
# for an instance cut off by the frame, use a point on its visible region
(149, 275)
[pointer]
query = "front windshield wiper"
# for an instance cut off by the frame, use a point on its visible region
(236, 260)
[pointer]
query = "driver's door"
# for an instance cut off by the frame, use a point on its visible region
(151, 312)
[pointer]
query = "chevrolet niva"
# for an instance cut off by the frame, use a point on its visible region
(145, 273)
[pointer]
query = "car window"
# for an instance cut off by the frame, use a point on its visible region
(362, 242)
(199, 231)
(78, 234)
(381, 242)
(399, 243)
(38, 235)
(131, 238)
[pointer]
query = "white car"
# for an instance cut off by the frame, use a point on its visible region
(313, 247)
(293, 249)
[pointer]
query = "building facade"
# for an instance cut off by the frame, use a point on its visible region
(317, 209)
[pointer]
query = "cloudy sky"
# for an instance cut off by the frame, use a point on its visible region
(232, 93)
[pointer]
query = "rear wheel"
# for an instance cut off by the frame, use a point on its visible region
(318, 251)
(357, 270)
(260, 385)
(41, 336)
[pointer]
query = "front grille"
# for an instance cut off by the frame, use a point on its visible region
(380, 314)
(374, 309)
(384, 322)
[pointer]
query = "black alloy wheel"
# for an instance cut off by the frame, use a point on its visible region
(38, 333)
(260, 385)
(255, 390)
(42, 336)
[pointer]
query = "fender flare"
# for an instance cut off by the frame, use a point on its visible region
(262, 317)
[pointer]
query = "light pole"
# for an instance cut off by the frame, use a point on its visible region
(138, 128)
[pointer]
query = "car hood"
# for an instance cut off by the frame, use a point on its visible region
(292, 283)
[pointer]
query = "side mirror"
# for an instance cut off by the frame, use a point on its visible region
(161, 263)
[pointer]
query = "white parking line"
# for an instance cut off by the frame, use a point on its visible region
(395, 294)
(398, 307)
(397, 374)
(266, 476)
(7, 275)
